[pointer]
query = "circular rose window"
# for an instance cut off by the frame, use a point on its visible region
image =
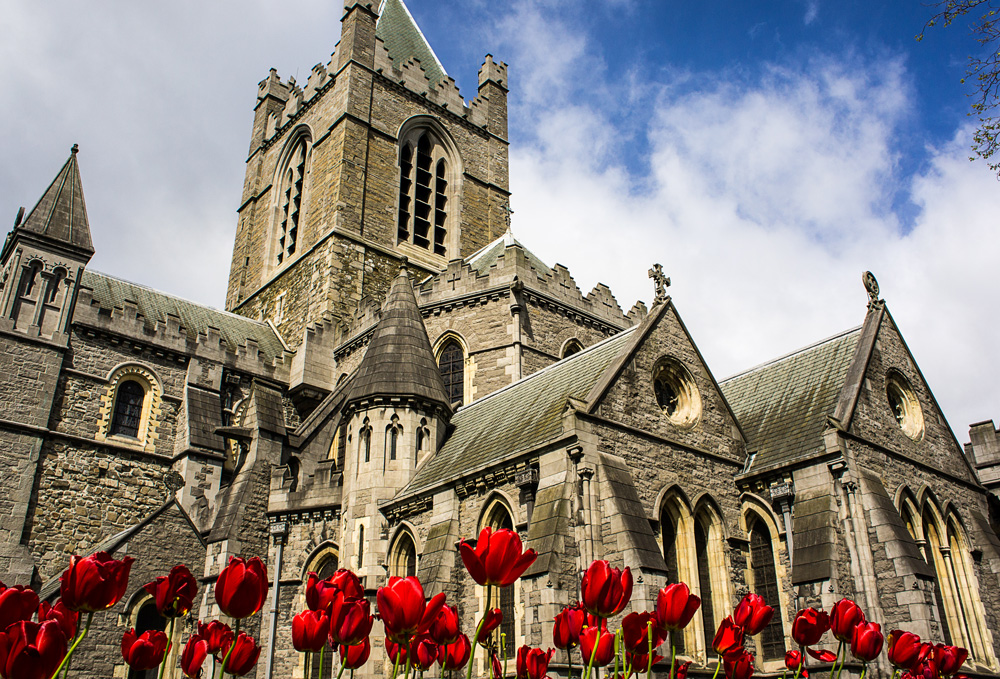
(676, 393)
(904, 405)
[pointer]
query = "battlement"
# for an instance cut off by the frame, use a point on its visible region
(492, 71)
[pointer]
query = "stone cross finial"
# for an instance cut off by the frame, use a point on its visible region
(505, 206)
(871, 285)
(661, 282)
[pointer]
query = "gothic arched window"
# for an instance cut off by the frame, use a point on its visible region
(765, 580)
(403, 557)
(392, 437)
(365, 441)
(292, 185)
(129, 400)
(668, 532)
(498, 516)
(704, 581)
(452, 364)
(424, 193)
(146, 619)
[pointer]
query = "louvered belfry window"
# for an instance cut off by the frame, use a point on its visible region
(772, 639)
(292, 184)
(423, 195)
(452, 364)
(128, 409)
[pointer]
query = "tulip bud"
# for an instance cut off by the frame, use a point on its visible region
(866, 643)
(844, 617)
(145, 651)
(94, 583)
(675, 606)
(497, 558)
(606, 590)
(809, 626)
(310, 630)
(193, 656)
(353, 657)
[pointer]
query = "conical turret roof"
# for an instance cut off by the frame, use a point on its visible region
(404, 40)
(61, 214)
(399, 360)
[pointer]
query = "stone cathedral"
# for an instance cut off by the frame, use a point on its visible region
(395, 370)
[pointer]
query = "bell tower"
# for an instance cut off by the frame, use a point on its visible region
(374, 158)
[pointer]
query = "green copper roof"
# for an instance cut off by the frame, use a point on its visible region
(517, 418)
(404, 40)
(782, 405)
(195, 319)
(483, 259)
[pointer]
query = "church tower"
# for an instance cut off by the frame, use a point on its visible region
(375, 158)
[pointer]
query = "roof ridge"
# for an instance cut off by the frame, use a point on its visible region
(181, 299)
(423, 38)
(791, 354)
(551, 366)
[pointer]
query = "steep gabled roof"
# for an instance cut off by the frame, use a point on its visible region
(110, 293)
(783, 405)
(486, 257)
(518, 417)
(404, 40)
(399, 360)
(61, 214)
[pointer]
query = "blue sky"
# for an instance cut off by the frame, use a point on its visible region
(766, 153)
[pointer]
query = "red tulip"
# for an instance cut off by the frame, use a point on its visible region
(444, 627)
(66, 618)
(94, 583)
(217, 636)
(491, 621)
(402, 608)
(794, 662)
(174, 593)
(903, 649)
(635, 628)
(321, 593)
(844, 617)
(244, 655)
(822, 654)
(495, 668)
(423, 652)
(681, 671)
(310, 630)
(397, 652)
(455, 655)
(604, 651)
(242, 587)
(639, 662)
(144, 651)
(497, 558)
(193, 656)
(350, 620)
(31, 650)
(606, 590)
(949, 659)
(353, 657)
(728, 638)
(867, 641)
(927, 669)
(809, 626)
(533, 663)
(569, 625)
(675, 606)
(738, 665)
(752, 614)
(17, 603)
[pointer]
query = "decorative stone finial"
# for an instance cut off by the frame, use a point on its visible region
(871, 285)
(75, 149)
(403, 261)
(505, 206)
(660, 282)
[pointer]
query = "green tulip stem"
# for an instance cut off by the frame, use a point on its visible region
(395, 664)
(214, 663)
(475, 641)
(503, 650)
(840, 648)
(79, 638)
(719, 667)
(236, 635)
(615, 673)
(409, 664)
(802, 661)
(593, 652)
(844, 660)
(649, 664)
(322, 650)
(342, 666)
(170, 645)
(673, 656)
(864, 671)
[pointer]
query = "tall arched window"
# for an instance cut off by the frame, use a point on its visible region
(423, 193)
(423, 436)
(765, 581)
(452, 364)
(292, 184)
(934, 558)
(704, 581)
(365, 441)
(668, 532)
(498, 516)
(146, 619)
(323, 565)
(403, 556)
(129, 400)
(361, 545)
(392, 437)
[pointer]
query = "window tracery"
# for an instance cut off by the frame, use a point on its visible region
(290, 197)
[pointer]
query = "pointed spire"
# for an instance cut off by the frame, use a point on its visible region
(404, 40)
(399, 360)
(61, 213)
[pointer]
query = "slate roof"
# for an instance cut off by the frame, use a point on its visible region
(518, 417)
(782, 405)
(483, 259)
(399, 360)
(61, 213)
(404, 40)
(154, 306)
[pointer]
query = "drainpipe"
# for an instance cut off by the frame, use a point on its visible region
(279, 531)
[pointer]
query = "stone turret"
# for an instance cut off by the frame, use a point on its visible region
(397, 413)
